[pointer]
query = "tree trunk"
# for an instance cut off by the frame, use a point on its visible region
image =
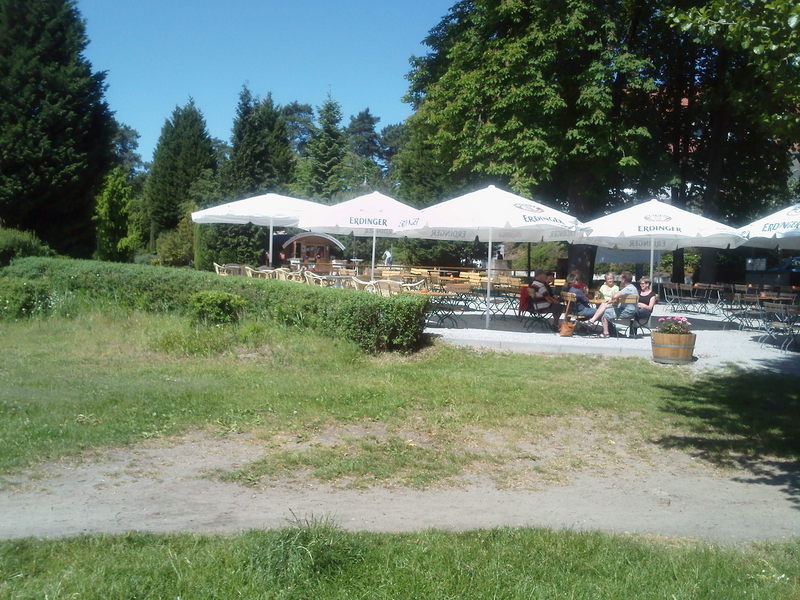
(718, 136)
(581, 257)
(678, 267)
(683, 98)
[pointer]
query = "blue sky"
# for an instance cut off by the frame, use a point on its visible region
(159, 53)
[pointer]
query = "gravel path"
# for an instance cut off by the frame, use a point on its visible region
(165, 487)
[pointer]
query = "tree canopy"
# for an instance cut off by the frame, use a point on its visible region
(261, 155)
(55, 126)
(326, 149)
(531, 92)
(184, 151)
(576, 100)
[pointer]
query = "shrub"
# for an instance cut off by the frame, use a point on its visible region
(305, 552)
(373, 322)
(20, 298)
(15, 243)
(215, 308)
(176, 247)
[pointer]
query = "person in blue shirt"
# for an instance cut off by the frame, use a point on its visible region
(620, 311)
(582, 307)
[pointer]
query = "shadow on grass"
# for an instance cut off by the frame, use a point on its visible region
(743, 419)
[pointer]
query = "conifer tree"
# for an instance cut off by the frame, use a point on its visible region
(364, 140)
(261, 160)
(326, 152)
(184, 151)
(299, 120)
(55, 126)
(261, 154)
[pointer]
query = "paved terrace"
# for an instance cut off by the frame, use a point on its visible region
(719, 344)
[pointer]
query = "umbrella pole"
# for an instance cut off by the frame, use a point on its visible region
(372, 275)
(651, 260)
(488, 278)
(270, 241)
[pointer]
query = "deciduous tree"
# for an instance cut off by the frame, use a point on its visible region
(111, 213)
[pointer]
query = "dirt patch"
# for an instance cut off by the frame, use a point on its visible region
(571, 478)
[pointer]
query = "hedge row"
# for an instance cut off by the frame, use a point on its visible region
(15, 243)
(375, 323)
(20, 298)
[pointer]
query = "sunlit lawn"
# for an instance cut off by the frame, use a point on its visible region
(72, 386)
(319, 561)
(105, 379)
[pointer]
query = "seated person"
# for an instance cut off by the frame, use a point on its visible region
(609, 288)
(647, 300)
(541, 296)
(620, 311)
(578, 281)
(582, 307)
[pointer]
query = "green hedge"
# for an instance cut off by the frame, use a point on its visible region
(214, 307)
(375, 323)
(15, 243)
(21, 298)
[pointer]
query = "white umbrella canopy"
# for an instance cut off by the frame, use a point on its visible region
(778, 230)
(493, 214)
(656, 225)
(267, 209)
(371, 215)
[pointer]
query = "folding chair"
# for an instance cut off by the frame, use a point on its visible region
(779, 321)
(689, 299)
(626, 324)
(641, 322)
(672, 296)
(528, 311)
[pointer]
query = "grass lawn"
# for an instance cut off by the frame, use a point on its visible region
(317, 560)
(103, 379)
(79, 385)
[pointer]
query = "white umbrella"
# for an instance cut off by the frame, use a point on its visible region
(493, 214)
(656, 225)
(266, 209)
(778, 230)
(370, 215)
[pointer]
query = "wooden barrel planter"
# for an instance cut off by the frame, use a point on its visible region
(672, 348)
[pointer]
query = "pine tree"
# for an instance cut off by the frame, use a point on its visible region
(261, 154)
(299, 120)
(55, 126)
(183, 152)
(364, 140)
(326, 152)
(261, 160)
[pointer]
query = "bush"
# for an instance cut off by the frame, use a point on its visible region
(15, 243)
(20, 298)
(373, 322)
(215, 308)
(304, 553)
